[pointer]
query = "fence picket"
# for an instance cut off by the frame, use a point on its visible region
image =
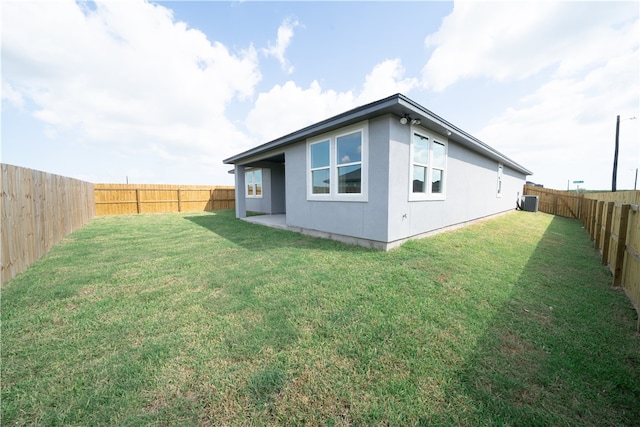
(613, 223)
(38, 210)
(120, 199)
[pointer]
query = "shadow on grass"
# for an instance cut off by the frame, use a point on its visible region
(537, 365)
(259, 237)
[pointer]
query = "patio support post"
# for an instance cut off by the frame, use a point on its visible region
(241, 203)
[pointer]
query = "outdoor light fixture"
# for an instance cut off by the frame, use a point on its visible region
(407, 119)
(448, 133)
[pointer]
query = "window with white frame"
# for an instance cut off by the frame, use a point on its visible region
(337, 165)
(253, 182)
(499, 189)
(349, 163)
(320, 153)
(428, 167)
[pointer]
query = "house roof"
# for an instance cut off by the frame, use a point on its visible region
(398, 105)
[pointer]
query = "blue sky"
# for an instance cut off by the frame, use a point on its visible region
(162, 92)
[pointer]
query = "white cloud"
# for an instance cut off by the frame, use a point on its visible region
(12, 95)
(285, 34)
(287, 108)
(515, 40)
(128, 76)
(386, 78)
(564, 128)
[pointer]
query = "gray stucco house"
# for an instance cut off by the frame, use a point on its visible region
(376, 176)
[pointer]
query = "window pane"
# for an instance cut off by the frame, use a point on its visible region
(419, 178)
(350, 179)
(420, 149)
(248, 177)
(249, 190)
(436, 181)
(349, 148)
(257, 176)
(320, 154)
(258, 189)
(320, 181)
(438, 155)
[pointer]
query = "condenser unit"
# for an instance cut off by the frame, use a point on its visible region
(530, 203)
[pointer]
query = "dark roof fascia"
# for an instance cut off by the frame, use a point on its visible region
(463, 137)
(390, 104)
(348, 117)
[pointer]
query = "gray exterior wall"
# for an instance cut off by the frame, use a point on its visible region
(364, 220)
(260, 204)
(273, 195)
(471, 189)
(388, 215)
(277, 192)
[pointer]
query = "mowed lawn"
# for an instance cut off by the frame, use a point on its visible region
(202, 319)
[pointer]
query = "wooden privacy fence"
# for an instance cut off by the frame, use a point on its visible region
(120, 199)
(615, 228)
(613, 222)
(556, 202)
(38, 209)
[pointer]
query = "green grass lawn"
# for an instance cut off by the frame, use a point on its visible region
(201, 319)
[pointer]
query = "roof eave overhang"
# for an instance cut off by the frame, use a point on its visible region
(456, 134)
(398, 105)
(344, 119)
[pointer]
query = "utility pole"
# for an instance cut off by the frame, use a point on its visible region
(615, 157)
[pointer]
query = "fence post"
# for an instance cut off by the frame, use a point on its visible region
(593, 204)
(621, 245)
(585, 213)
(179, 202)
(598, 225)
(594, 220)
(138, 199)
(580, 200)
(606, 233)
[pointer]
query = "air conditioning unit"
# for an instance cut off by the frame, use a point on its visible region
(530, 203)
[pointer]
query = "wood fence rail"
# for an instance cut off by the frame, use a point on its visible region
(613, 222)
(121, 199)
(37, 210)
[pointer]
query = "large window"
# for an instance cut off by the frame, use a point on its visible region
(428, 171)
(253, 182)
(337, 165)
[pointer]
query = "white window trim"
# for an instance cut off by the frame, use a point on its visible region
(246, 184)
(333, 195)
(500, 181)
(415, 197)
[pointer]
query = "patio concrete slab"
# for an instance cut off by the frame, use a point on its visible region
(274, 221)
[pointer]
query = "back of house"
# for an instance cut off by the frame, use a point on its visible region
(376, 176)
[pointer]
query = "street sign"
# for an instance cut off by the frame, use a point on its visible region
(578, 182)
